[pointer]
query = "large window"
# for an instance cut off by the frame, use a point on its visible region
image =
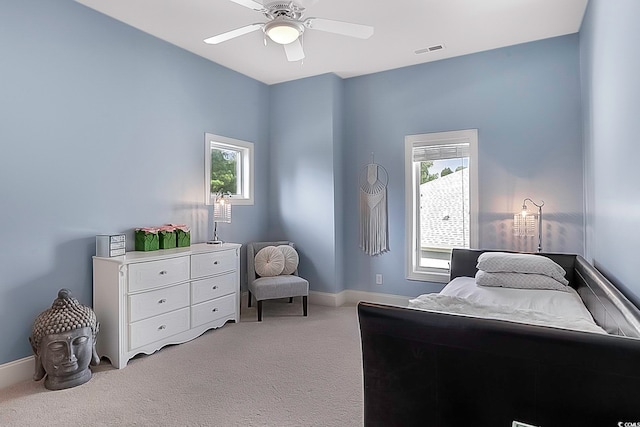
(228, 169)
(441, 200)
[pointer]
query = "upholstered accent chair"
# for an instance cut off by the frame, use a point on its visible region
(273, 287)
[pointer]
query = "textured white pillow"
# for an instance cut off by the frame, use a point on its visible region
(291, 259)
(269, 261)
(519, 281)
(503, 262)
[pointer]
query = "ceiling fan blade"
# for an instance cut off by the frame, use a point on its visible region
(233, 33)
(294, 51)
(251, 4)
(338, 27)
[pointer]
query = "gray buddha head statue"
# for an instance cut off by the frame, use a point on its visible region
(63, 340)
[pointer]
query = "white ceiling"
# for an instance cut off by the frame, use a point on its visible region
(401, 28)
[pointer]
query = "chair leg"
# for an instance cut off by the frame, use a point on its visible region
(260, 311)
(290, 300)
(248, 298)
(304, 304)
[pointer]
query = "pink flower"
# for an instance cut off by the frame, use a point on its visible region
(148, 230)
(181, 227)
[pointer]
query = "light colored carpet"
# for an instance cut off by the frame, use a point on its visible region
(287, 370)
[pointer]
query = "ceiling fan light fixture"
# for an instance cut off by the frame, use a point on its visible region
(283, 32)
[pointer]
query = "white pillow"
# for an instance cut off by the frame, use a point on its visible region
(567, 304)
(518, 281)
(269, 261)
(503, 262)
(291, 259)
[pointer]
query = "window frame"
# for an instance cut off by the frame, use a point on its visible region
(245, 166)
(412, 200)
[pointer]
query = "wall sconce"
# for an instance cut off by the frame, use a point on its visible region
(221, 213)
(524, 223)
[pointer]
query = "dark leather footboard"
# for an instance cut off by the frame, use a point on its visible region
(424, 368)
(432, 369)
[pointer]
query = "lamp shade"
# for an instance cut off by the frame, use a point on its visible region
(222, 209)
(524, 223)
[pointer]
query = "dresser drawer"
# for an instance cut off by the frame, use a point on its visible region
(211, 310)
(156, 302)
(157, 328)
(210, 263)
(152, 274)
(213, 287)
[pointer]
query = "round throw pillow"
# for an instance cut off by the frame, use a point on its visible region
(290, 259)
(269, 261)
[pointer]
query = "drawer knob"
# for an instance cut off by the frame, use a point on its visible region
(215, 262)
(215, 309)
(163, 272)
(161, 327)
(162, 301)
(215, 287)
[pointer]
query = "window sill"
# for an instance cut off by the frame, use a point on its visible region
(424, 276)
(243, 201)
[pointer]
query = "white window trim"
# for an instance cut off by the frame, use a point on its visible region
(412, 205)
(247, 167)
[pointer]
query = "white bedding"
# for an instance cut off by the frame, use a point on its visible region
(533, 306)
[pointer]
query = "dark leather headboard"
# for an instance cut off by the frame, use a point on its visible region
(610, 309)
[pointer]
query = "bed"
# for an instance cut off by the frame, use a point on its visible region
(436, 368)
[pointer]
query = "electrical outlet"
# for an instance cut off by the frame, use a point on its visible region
(378, 279)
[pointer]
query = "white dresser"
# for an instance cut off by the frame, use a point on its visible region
(146, 300)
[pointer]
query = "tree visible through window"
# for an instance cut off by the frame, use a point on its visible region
(224, 171)
(228, 169)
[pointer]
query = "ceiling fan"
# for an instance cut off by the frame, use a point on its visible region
(286, 25)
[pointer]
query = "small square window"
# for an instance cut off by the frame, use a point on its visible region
(228, 169)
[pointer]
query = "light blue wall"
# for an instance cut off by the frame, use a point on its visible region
(305, 134)
(610, 64)
(103, 131)
(339, 125)
(525, 102)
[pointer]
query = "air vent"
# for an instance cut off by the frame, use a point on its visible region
(433, 48)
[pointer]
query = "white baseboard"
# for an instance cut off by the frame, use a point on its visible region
(22, 369)
(357, 296)
(17, 371)
(354, 297)
(327, 299)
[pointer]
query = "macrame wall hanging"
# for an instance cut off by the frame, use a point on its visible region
(374, 228)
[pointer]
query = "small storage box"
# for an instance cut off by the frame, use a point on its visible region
(146, 240)
(110, 245)
(167, 239)
(183, 238)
